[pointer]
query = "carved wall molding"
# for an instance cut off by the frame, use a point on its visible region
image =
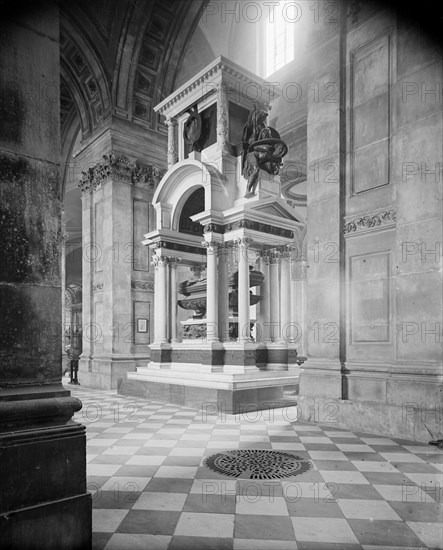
(143, 285)
(119, 168)
(370, 222)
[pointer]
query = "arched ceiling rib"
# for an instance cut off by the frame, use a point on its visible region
(83, 72)
(122, 56)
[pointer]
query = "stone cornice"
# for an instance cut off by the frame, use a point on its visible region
(179, 247)
(370, 222)
(119, 168)
(213, 74)
(249, 224)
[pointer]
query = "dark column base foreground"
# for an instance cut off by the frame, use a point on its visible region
(44, 504)
(55, 526)
(213, 400)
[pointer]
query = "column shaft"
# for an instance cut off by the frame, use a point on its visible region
(264, 306)
(275, 298)
(173, 299)
(211, 292)
(244, 329)
(285, 298)
(161, 321)
(223, 295)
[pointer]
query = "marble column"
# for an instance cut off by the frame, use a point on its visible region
(275, 328)
(211, 291)
(285, 296)
(171, 123)
(173, 299)
(160, 300)
(223, 294)
(264, 304)
(244, 328)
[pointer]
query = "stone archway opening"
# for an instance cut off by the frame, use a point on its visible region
(194, 204)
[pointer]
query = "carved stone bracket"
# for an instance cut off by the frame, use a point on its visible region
(97, 287)
(119, 168)
(370, 222)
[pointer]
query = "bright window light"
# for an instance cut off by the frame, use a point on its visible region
(280, 36)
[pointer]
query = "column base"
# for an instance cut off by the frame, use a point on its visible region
(277, 356)
(106, 371)
(50, 526)
(43, 497)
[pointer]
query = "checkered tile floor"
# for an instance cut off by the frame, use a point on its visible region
(150, 489)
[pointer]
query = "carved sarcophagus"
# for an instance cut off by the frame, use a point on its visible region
(195, 293)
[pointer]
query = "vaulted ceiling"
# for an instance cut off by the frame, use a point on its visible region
(121, 57)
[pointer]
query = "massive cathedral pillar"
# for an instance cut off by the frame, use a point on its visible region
(43, 498)
(321, 374)
(118, 285)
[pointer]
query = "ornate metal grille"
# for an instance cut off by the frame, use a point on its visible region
(257, 464)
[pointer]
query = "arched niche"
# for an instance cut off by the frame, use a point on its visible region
(194, 204)
(176, 187)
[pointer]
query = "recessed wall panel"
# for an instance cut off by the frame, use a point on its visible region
(370, 298)
(370, 114)
(140, 253)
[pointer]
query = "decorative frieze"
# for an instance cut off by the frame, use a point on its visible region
(119, 168)
(370, 222)
(142, 285)
(261, 227)
(178, 247)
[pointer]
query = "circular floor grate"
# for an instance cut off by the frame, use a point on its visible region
(257, 464)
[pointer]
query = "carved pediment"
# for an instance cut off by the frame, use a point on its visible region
(279, 209)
